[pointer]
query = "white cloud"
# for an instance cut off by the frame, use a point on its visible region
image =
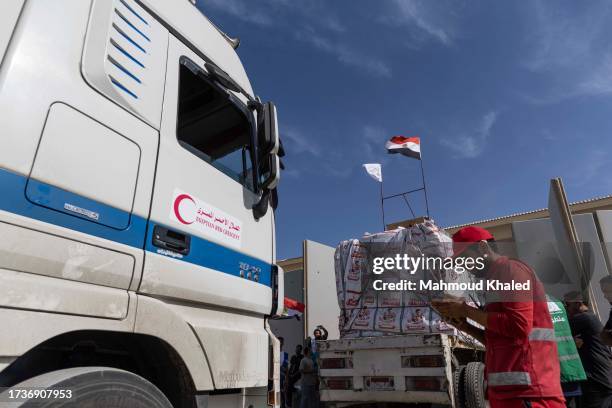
(562, 37)
(591, 164)
(374, 139)
(278, 13)
(318, 160)
(569, 44)
(374, 134)
(599, 80)
(296, 143)
(291, 173)
(594, 167)
(344, 54)
(596, 160)
(239, 10)
(548, 135)
(326, 159)
(469, 146)
(428, 19)
(338, 170)
(310, 22)
(330, 23)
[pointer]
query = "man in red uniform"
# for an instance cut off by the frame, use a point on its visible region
(522, 367)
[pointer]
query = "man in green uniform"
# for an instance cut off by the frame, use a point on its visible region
(571, 367)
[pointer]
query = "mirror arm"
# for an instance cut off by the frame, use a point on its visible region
(225, 79)
(274, 199)
(255, 105)
(261, 207)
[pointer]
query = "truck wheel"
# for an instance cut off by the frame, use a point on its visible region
(93, 387)
(458, 387)
(474, 385)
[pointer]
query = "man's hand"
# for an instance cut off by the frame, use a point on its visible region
(459, 323)
(450, 307)
(463, 325)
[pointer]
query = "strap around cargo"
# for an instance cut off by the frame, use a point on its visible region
(542, 334)
(509, 378)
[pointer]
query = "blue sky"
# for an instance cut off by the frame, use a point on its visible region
(504, 98)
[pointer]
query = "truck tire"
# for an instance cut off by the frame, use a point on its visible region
(474, 385)
(93, 387)
(459, 387)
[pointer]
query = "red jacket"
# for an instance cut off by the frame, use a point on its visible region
(521, 352)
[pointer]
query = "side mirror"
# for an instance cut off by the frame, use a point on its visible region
(269, 166)
(268, 140)
(271, 175)
(268, 145)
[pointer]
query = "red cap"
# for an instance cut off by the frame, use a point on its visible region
(466, 236)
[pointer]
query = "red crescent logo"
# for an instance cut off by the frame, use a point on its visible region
(177, 203)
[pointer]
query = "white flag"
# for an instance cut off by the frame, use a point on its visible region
(374, 171)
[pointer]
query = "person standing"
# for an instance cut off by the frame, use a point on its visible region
(522, 365)
(319, 333)
(292, 395)
(596, 356)
(606, 288)
(308, 398)
(284, 369)
(572, 372)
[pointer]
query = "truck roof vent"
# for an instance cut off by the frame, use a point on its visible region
(133, 46)
(128, 48)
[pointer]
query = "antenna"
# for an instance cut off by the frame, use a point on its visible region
(234, 42)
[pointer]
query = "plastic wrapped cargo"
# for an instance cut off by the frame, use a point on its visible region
(368, 312)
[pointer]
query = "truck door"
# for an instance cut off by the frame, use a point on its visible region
(76, 164)
(206, 254)
(204, 244)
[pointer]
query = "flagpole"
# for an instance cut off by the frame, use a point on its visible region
(375, 171)
(382, 205)
(424, 186)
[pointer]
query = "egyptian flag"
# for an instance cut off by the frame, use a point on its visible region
(293, 307)
(408, 146)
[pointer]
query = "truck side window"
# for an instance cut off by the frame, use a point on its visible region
(212, 126)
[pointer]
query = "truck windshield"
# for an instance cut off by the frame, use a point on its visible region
(212, 126)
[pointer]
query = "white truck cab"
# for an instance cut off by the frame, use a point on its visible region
(137, 186)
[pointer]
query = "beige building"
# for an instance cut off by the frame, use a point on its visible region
(501, 227)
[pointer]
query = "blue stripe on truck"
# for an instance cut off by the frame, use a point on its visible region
(214, 256)
(204, 253)
(73, 204)
(13, 199)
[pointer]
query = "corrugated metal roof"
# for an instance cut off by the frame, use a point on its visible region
(590, 200)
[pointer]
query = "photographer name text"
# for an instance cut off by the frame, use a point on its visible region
(489, 285)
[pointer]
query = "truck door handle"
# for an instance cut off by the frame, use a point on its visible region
(171, 240)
